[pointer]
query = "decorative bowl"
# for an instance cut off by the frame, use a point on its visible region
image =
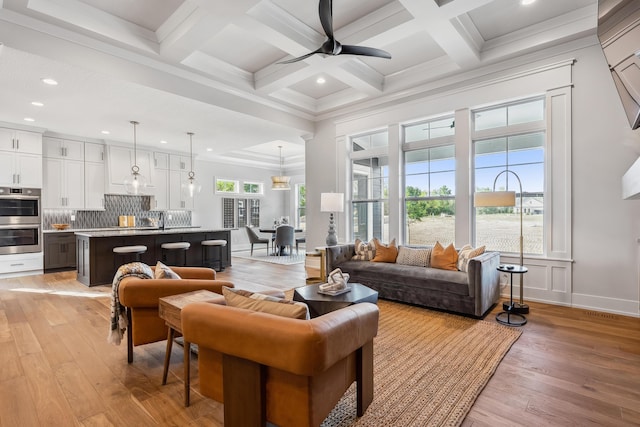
(60, 226)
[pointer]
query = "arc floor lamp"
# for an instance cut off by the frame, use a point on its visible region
(492, 199)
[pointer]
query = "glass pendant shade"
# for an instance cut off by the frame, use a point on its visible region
(280, 182)
(135, 183)
(191, 186)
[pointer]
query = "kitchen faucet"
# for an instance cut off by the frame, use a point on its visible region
(161, 221)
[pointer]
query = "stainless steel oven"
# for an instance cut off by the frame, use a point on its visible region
(20, 239)
(20, 222)
(20, 206)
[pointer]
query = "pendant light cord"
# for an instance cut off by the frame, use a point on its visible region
(135, 151)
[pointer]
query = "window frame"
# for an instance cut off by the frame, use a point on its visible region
(260, 185)
(375, 152)
(539, 126)
(236, 186)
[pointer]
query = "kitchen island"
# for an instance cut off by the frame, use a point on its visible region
(95, 257)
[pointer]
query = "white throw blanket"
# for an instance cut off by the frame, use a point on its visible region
(118, 313)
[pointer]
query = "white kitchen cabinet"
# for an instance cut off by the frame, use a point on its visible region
(119, 162)
(94, 176)
(20, 158)
(161, 193)
(94, 186)
(20, 141)
(93, 152)
(161, 160)
(179, 163)
(177, 199)
(64, 184)
(57, 148)
(20, 170)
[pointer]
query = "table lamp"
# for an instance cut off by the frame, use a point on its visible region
(331, 202)
(492, 199)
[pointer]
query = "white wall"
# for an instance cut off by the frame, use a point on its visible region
(208, 205)
(604, 228)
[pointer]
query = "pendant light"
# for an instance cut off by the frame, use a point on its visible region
(135, 183)
(280, 182)
(191, 186)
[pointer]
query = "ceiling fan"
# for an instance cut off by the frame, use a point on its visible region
(333, 46)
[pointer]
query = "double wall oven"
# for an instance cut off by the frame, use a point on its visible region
(20, 221)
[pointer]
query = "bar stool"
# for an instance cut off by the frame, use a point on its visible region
(219, 244)
(123, 252)
(175, 246)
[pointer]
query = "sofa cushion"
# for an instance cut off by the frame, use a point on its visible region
(365, 251)
(466, 253)
(412, 256)
(164, 272)
(444, 258)
(371, 273)
(385, 253)
(265, 303)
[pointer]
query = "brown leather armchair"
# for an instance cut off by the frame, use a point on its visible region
(140, 297)
(286, 371)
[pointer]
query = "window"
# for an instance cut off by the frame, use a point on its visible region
(227, 186)
(370, 186)
(237, 213)
(517, 146)
(301, 203)
(429, 130)
(252, 187)
(370, 189)
(430, 179)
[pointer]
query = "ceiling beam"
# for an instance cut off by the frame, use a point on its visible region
(305, 39)
(50, 41)
(451, 37)
(195, 22)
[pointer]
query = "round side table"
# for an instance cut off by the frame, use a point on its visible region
(509, 316)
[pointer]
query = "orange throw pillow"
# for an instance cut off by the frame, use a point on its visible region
(444, 258)
(385, 253)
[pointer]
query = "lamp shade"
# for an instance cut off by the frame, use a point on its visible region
(492, 199)
(331, 202)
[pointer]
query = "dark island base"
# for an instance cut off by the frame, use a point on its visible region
(97, 263)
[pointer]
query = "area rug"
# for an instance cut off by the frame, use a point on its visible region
(263, 257)
(429, 368)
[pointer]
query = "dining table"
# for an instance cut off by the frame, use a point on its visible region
(272, 230)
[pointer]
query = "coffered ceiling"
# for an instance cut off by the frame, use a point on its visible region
(210, 66)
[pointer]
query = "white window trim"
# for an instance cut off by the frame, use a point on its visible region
(258, 183)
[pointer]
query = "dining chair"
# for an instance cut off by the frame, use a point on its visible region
(285, 236)
(254, 238)
(300, 239)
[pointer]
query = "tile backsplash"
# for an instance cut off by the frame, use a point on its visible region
(115, 205)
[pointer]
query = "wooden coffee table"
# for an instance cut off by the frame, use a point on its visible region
(169, 309)
(320, 304)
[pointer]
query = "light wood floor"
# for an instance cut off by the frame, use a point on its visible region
(570, 366)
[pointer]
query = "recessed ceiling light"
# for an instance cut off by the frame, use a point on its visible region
(321, 80)
(29, 119)
(527, 2)
(37, 104)
(209, 149)
(49, 81)
(163, 142)
(105, 132)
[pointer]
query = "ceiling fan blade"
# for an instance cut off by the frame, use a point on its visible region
(364, 51)
(300, 58)
(325, 10)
